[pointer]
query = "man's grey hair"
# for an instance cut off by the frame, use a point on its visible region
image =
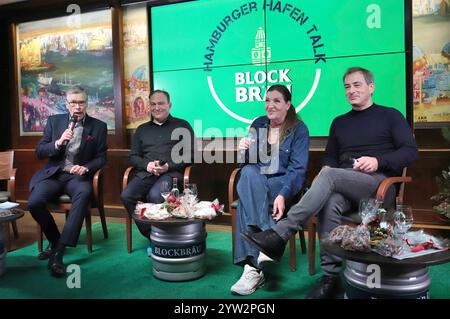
(77, 90)
(368, 76)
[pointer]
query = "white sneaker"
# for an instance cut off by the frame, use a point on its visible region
(250, 280)
(262, 258)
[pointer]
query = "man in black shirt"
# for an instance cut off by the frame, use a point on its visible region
(365, 146)
(152, 145)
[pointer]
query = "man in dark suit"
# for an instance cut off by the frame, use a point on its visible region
(75, 146)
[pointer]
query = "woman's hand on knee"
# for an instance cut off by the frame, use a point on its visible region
(278, 208)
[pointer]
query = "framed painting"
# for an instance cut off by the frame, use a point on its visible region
(136, 65)
(56, 54)
(431, 63)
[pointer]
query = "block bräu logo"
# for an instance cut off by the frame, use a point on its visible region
(240, 92)
(250, 86)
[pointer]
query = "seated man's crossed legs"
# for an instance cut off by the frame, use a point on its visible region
(331, 194)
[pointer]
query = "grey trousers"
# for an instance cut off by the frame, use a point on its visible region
(333, 192)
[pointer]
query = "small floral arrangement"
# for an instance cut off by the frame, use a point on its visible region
(171, 203)
(186, 206)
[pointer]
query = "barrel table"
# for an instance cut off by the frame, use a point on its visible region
(400, 279)
(178, 248)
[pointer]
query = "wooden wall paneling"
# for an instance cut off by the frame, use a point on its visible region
(118, 161)
(212, 179)
(27, 164)
(423, 186)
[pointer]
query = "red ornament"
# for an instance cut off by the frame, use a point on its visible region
(171, 198)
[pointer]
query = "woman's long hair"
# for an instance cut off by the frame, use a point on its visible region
(292, 119)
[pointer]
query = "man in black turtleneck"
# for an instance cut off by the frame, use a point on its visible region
(151, 155)
(365, 146)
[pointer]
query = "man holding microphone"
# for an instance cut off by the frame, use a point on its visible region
(75, 146)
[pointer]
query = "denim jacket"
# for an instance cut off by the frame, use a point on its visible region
(290, 160)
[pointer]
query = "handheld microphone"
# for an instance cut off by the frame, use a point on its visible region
(162, 163)
(72, 123)
(346, 158)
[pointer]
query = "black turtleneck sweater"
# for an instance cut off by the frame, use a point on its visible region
(378, 131)
(154, 142)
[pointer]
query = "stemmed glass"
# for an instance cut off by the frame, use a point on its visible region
(403, 221)
(366, 205)
(165, 189)
(192, 189)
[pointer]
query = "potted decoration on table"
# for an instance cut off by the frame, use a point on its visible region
(443, 197)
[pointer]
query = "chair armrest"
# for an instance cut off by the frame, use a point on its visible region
(386, 183)
(187, 173)
(231, 187)
(97, 183)
(12, 185)
(126, 176)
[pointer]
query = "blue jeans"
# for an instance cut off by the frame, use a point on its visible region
(257, 193)
(334, 192)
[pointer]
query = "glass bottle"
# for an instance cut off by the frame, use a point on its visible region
(398, 203)
(380, 211)
(175, 191)
(185, 185)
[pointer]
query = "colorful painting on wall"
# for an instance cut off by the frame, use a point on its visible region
(136, 68)
(55, 54)
(431, 63)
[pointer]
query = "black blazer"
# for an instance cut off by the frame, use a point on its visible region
(92, 152)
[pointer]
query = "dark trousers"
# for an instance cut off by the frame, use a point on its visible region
(79, 188)
(146, 189)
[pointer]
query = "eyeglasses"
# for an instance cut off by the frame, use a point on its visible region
(81, 103)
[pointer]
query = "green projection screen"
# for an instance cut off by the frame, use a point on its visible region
(216, 58)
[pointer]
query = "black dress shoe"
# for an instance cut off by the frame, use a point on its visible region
(327, 288)
(268, 242)
(55, 264)
(45, 254)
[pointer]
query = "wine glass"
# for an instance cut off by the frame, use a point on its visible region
(366, 206)
(192, 188)
(165, 189)
(403, 220)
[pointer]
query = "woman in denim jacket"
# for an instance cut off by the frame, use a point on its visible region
(275, 159)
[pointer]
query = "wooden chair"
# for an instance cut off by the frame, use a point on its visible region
(127, 177)
(8, 174)
(64, 204)
(352, 217)
(232, 204)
